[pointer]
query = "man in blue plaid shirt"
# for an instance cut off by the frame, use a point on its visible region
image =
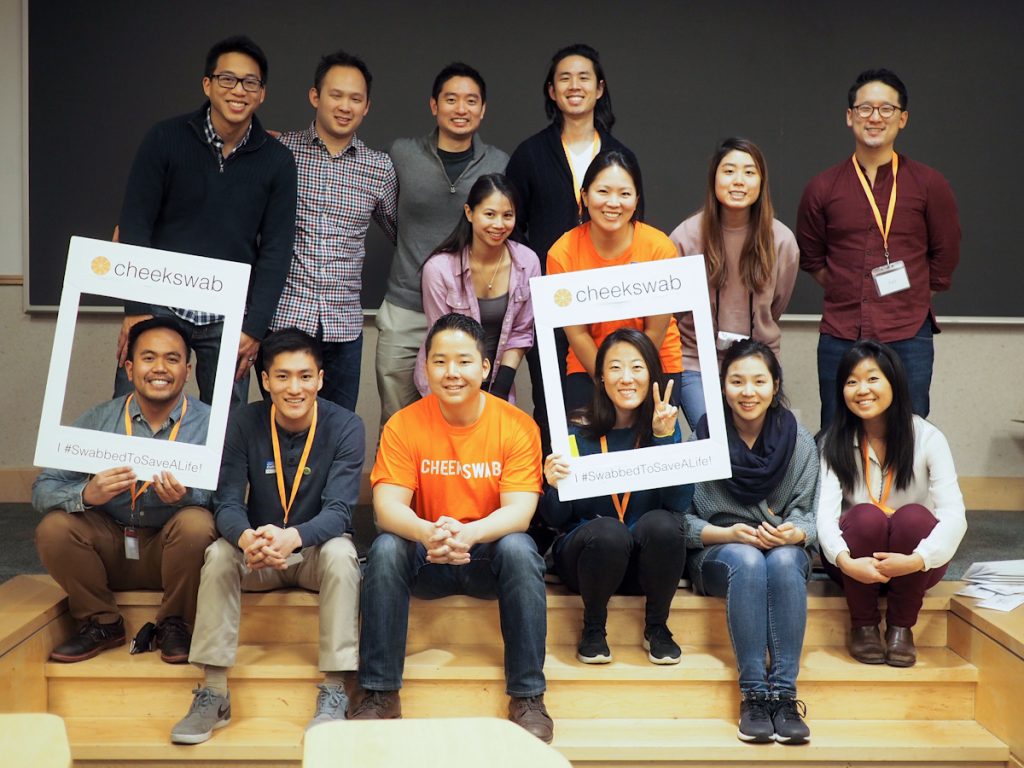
(342, 185)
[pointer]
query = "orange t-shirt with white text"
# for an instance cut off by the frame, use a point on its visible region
(460, 472)
(574, 251)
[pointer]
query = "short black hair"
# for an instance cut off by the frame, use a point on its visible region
(886, 76)
(289, 340)
(453, 321)
(341, 59)
(458, 69)
(237, 44)
(161, 321)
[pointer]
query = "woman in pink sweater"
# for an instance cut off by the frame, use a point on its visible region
(751, 260)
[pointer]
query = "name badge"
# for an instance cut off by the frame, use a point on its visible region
(892, 278)
(269, 469)
(726, 339)
(131, 544)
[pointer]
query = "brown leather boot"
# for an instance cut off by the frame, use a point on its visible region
(531, 714)
(899, 647)
(865, 645)
(377, 705)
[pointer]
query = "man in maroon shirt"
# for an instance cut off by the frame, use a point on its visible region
(880, 233)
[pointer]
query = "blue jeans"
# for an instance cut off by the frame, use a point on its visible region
(691, 397)
(342, 361)
(765, 595)
(917, 355)
(205, 342)
(508, 569)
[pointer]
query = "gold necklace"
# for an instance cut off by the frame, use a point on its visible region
(494, 274)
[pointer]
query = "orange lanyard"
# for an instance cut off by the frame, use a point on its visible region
(887, 486)
(874, 206)
(623, 504)
(173, 436)
(577, 184)
(279, 471)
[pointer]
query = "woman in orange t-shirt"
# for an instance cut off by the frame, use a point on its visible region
(612, 236)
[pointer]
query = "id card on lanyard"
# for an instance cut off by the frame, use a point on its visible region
(131, 536)
(286, 503)
(892, 278)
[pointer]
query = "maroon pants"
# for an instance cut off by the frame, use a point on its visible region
(866, 530)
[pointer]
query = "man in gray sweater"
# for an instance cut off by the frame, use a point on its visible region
(435, 173)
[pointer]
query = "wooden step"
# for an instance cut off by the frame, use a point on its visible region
(278, 681)
(270, 742)
(464, 620)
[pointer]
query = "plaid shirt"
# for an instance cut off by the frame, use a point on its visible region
(337, 197)
(217, 147)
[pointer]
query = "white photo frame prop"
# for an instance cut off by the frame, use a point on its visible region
(616, 293)
(161, 278)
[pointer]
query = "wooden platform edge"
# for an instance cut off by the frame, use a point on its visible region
(994, 643)
(1001, 494)
(33, 619)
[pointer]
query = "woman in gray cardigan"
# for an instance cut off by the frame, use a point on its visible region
(749, 536)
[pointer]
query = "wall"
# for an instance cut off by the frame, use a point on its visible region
(975, 392)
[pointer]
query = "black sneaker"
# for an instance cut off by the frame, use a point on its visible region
(660, 647)
(756, 719)
(593, 647)
(788, 720)
(92, 638)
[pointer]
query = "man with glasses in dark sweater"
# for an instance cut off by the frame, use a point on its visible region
(213, 183)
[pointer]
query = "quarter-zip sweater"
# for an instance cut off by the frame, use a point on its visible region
(178, 199)
(429, 207)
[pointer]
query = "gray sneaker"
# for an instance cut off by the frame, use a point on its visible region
(208, 712)
(331, 704)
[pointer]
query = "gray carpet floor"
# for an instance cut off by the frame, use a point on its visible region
(990, 536)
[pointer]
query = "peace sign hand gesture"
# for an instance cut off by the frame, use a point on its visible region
(664, 421)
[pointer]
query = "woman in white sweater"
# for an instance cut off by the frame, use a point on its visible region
(891, 513)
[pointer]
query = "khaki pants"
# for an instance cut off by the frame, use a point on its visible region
(332, 569)
(400, 333)
(84, 553)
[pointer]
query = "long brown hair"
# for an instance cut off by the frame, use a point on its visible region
(757, 260)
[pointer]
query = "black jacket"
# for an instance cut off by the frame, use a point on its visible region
(541, 174)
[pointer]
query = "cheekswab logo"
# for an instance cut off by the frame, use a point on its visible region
(563, 297)
(100, 265)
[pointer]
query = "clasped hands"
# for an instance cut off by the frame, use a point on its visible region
(879, 567)
(268, 546)
(766, 535)
(448, 541)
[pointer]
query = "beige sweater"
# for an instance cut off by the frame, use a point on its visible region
(734, 311)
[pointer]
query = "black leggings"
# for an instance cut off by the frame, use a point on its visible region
(602, 557)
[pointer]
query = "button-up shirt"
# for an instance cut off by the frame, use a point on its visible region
(62, 488)
(837, 232)
(338, 195)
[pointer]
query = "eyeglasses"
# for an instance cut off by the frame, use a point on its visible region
(250, 84)
(885, 111)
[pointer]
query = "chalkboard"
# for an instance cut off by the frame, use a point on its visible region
(682, 76)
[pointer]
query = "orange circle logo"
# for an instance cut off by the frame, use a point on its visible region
(100, 265)
(563, 297)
